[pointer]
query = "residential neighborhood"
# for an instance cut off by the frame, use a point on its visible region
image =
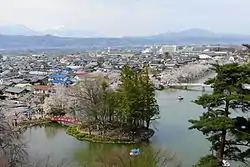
(28, 80)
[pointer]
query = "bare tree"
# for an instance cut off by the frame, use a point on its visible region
(88, 98)
(12, 149)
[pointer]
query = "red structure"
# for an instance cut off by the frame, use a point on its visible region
(67, 120)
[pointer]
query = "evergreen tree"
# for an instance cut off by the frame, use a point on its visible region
(129, 93)
(137, 104)
(149, 103)
(223, 130)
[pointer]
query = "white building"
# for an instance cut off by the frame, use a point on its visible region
(168, 48)
(204, 57)
(147, 50)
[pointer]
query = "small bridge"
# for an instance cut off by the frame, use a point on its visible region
(188, 85)
(64, 120)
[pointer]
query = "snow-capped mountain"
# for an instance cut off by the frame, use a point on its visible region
(17, 29)
(74, 33)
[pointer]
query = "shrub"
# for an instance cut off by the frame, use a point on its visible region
(80, 136)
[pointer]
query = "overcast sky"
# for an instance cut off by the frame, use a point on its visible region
(129, 17)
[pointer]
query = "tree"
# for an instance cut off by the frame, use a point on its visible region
(100, 61)
(137, 98)
(207, 161)
(58, 103)
(149, 103)
(217, 123)
(246, 45)
(123, 112)
(12, 149)
(129, 104)
(89, 101)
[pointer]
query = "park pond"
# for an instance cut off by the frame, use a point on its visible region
(171, 133)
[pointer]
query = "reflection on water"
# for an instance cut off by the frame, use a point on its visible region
(51, 131)
(172, 133)
(110, 154)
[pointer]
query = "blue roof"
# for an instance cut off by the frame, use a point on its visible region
(55, 68)
(58, 76)
(68, 69)
(58, 81)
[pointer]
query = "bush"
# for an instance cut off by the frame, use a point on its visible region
(80, 136)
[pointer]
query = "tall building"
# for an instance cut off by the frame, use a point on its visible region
(168, 48)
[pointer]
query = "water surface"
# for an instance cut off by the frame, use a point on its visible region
(171, 133)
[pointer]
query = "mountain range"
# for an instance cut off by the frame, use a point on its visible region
(17, 29)
(21, 37)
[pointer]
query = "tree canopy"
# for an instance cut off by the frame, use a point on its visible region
(225, 123)
(129, 108)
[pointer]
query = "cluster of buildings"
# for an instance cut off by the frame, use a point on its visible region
(27, 80)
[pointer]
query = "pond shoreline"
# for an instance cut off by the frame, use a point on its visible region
(85, 136)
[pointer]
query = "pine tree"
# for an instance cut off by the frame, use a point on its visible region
(137, 104)
(149, 103)
(129, 93)
(218, 124)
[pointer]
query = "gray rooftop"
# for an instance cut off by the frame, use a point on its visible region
(17, 80)
(14, 90)
(2, 87)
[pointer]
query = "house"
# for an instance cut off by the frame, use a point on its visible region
(80, 75)
(39, 80)
(204, 57)
(15, 92)
(171, 64)
(41, 73)
(25, 86)
(59, 79)
(7, 83)
(55, 69)
(42, 89)
(68, 69)
(16, 81)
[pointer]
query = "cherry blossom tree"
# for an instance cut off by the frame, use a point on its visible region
(185, 74)
(59, 102)
(12, 149)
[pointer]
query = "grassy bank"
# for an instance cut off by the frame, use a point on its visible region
(73, 131)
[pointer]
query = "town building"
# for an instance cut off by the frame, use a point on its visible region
(168, 48)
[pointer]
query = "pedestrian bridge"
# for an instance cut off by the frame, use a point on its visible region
(187, 85)
(63, 120)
